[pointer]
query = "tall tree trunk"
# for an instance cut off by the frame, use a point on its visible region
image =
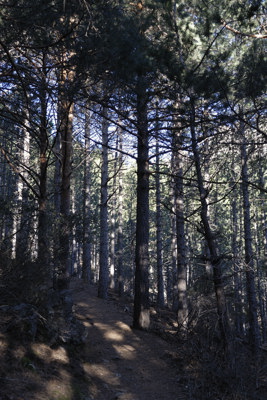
(182, 306)
(235, 252)
(141, 318)
(43, 245)
(173, 273)
(250, 273)
(23, 225)
(237, 278)
(57, 196)
(6, 189)
(86, 267)
(262, 232)
(65, 112)
(103, 256)
(209, 236)
(160, 281)
(114, 206)
(120, 221)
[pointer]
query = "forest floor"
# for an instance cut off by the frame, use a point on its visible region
(117, 362)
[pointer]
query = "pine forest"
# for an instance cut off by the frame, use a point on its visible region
(133, 162)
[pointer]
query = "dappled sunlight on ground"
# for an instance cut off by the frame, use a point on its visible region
(47, 354)
(123, 326)
(109, 334)
(125, 351)
(103, 372)
(120, 359)
(115, 362)
(118, 362)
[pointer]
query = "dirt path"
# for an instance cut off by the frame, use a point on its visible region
(121, 363)
(115, 362)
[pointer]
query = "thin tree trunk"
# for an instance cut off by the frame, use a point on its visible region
(250, 273)
(141, 318)
(173, 273)
(112, 256)
(262, 232)
(237, 279)
(182, 306)
(57, 197)
(120, 222)
(87, 258)
(235, 252)
(209, 236)
(160, 281)
(103, 256)
(43, 245)
(23, 224)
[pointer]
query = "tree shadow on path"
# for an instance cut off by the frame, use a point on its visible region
(122, 363)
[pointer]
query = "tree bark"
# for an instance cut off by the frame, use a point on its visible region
(22, 228)
(235, 252)
(141, 318)
(103, 256)
(182, 306)
(87, 259)
(209, 236)
(160, 281)
(43, 245)
(120, 222)
(254, 333)
(65, 113)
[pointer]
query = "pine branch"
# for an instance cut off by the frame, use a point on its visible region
(251, 35)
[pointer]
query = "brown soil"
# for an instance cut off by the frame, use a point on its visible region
(117, 362)
(123, 363)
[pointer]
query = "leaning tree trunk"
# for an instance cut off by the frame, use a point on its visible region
(141, 318)
(210, 239)
(103, 255)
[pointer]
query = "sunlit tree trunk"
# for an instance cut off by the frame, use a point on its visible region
(22, 229)
(113, 223)
(120, 280)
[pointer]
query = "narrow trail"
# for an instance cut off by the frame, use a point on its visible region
(119, 362)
